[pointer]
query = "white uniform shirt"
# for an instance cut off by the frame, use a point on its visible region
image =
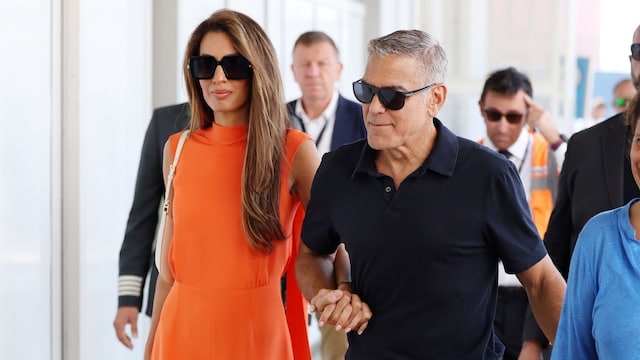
(321, 128)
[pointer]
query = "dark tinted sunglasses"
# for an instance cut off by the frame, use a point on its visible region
(235, 67)
(635, 51)
(390, 99)
(495, 115)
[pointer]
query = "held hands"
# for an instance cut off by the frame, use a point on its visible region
(342, 309)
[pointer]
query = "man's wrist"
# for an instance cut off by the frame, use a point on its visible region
(343, 285)
(130, 301)
(554, 146)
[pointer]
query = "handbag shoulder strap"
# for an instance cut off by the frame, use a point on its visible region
(167, 193)
(172, 170)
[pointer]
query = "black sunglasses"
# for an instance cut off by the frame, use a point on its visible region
(389, 98)
(495, 115)
(635, 51)
(235, 67)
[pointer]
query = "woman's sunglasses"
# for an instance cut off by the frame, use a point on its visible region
(495, 115)
(390, 99)
(635, 51)
(235, 67)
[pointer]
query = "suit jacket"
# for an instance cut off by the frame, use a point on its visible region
(137, 251)
(348, 127)
(591, 181)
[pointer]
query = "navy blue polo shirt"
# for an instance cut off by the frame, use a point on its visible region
(424, 256)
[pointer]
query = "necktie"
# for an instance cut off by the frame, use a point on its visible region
(506, 153)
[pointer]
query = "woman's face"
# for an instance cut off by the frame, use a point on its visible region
(229, 99)
(634, 154)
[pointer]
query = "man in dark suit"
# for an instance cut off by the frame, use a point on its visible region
(596, 176)
(136, 253)
(321, 111)
(331, 121)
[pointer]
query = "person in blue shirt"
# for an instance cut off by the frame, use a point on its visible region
(600, 317)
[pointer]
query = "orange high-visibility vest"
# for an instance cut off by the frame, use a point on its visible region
(544, 182)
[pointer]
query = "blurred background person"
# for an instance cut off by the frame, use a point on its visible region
(623, 91)
(524, 133)
(331, 120)
(137, 250)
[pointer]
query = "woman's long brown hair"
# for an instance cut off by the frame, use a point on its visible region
(267, 123)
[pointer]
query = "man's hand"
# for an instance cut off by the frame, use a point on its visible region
(539, 118)
(126, 315)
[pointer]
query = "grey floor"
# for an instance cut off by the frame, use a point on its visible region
(314, 339)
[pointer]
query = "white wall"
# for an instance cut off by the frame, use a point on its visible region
(106, 104)
(25, 180)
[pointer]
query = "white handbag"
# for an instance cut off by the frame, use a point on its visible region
(167, 195)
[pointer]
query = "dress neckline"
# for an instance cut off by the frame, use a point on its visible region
(226, 135)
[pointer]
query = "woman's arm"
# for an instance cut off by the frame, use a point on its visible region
(303, 169)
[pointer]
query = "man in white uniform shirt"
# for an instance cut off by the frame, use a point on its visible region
(525, 134)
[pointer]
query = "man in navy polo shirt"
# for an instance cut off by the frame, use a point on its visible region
(425, 215)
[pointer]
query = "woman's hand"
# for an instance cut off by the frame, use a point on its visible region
(342, 309)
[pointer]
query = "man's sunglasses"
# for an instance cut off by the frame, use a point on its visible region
(495, 115)
(235, 67)
(389, 98)
(635, 51)
(621, 102)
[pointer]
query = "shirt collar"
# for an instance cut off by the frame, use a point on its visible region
(519, 148)
(328, 114)
(442, 158)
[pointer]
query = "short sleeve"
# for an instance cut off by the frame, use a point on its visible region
(317, 230)
(510, 224)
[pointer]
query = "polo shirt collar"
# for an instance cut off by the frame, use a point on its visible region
(442, 158)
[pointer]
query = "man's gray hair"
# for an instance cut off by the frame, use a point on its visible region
(416, 44)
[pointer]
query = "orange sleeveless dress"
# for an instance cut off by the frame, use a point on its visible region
(225, 302)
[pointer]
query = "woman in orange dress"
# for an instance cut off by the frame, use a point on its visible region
(239, 181)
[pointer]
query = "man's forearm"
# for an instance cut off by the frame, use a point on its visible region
(546, 303)
(314, 272)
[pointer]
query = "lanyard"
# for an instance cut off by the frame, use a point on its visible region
(304, 129)
(526, 152)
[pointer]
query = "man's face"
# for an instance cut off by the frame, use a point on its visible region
(316, 69)
(635, 61)
(504, 116)
(392, 129)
